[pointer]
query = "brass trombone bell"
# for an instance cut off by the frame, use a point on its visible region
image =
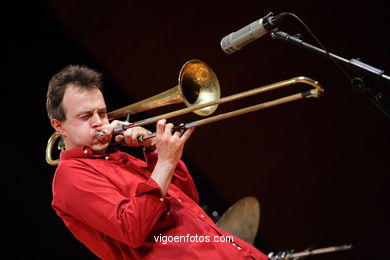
(197, 84)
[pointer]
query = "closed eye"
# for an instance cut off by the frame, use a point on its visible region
(85, 116)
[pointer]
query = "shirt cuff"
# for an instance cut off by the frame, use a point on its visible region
(151, 187)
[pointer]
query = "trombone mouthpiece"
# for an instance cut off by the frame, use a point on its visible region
(102, 133)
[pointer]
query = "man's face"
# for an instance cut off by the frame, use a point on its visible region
(85, 114)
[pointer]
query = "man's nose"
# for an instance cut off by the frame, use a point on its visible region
(96, 120)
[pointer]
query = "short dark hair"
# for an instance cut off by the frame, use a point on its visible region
(80, 76)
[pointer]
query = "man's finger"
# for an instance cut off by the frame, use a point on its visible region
(135, 134)
(160, 126)
(119, 139)
(109, 128)
(177, 133)
(168, 128)
(187, 133)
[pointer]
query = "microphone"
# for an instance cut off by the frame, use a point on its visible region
(236, 40)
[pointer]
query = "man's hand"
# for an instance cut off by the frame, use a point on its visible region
(170, 145)
(129, 137)
(170, 149)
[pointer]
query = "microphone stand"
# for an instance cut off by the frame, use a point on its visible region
(359, 83)
(285, 255)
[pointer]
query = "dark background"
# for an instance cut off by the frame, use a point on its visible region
(318, 167)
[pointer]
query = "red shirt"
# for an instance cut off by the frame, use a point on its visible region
(110, 203)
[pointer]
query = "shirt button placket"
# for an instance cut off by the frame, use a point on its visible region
(235, 245)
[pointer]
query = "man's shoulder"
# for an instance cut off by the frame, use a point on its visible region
(73, 169)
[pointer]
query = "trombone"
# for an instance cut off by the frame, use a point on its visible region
(198, 88)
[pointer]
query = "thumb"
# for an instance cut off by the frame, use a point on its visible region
(119, 139)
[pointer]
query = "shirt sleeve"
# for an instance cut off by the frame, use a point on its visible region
(88, 197)
(181, 177)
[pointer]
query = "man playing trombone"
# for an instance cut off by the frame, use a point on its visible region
(117, 205)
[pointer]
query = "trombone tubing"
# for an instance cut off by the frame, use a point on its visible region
(247, 110)
(316, 92)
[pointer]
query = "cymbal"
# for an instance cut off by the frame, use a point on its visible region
(242, 219)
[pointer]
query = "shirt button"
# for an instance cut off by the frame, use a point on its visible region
(106, 157)
(234, 244)
(239, 248)
(179, 200)
(161, 199)
(85, 151)
(202, 216)
(168, 213)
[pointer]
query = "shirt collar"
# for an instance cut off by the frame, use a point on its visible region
(80, 152)
(111, 154)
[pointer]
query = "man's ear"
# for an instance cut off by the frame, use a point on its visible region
(57, 125)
